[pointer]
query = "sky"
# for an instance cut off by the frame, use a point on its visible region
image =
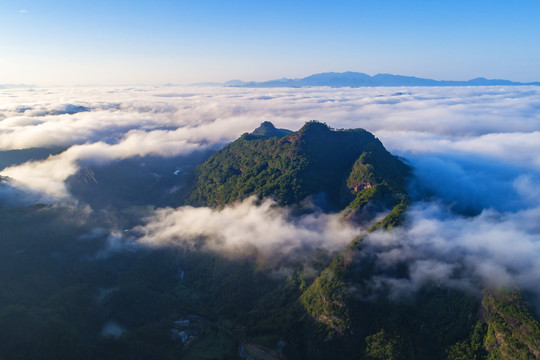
(61, 42)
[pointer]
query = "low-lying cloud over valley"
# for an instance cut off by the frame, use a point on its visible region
(475, 153)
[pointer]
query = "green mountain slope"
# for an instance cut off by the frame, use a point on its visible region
(350, 167)
(512, 331)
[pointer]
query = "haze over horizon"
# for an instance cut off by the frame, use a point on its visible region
(68, 43)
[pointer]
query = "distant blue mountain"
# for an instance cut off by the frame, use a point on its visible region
(356, 79)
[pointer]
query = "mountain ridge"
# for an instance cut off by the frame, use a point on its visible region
(358, 79)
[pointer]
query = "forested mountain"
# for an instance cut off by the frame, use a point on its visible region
(342, 169)
(77, 284)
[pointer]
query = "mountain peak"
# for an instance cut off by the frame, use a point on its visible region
(265, 126)
(314, 128)
(267, 130)
(343, 165)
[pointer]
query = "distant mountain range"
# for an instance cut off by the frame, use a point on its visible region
(356, 79)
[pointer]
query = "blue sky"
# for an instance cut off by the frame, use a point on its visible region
(153, 42)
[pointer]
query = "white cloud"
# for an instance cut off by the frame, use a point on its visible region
(245, 227)
(520, 148)
(493, 248)
(48, 176)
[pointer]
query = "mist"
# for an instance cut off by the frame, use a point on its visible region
(248, 229)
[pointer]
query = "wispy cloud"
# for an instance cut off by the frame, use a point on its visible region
(245, 229)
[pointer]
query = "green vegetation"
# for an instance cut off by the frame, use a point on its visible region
(382, 346)
(512, 331)
(268, 130)
(346, 165)
(507, 330)
(472, 348)
(324, 300)
(394, 218)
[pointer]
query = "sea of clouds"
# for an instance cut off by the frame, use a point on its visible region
(475, 153)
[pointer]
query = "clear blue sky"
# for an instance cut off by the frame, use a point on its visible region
(152, 42)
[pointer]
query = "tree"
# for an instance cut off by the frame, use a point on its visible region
(384, 346)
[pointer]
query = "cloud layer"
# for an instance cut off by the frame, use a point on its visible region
(101, 124)
(475, 151)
